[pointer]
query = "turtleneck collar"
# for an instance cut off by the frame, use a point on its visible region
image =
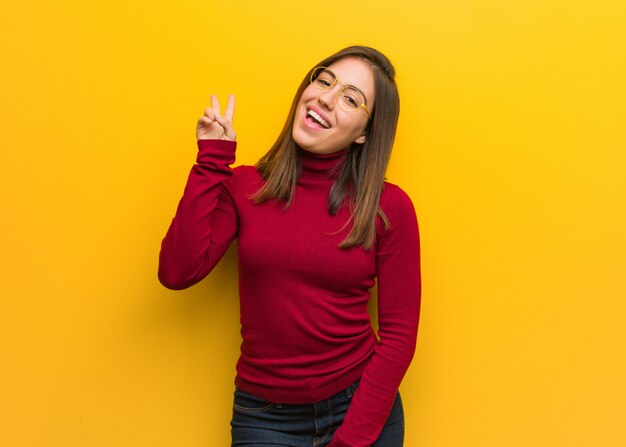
(318, 167)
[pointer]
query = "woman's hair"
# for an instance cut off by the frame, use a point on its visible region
(360, 179)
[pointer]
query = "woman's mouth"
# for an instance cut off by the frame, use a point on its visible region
(315, 117)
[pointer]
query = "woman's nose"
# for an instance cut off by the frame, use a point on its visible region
(328, 98)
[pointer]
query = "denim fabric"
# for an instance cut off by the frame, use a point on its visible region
(257, 422)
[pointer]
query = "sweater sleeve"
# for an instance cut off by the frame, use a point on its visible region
(206, 221)
(399, 295)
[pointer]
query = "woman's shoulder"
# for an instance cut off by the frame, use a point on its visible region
(394, 198)
(245, 171)
(398, 208)
(246, 177)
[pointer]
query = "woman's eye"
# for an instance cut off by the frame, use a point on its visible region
(324, 82)
(351, 101)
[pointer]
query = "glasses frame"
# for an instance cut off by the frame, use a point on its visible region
(320, 69)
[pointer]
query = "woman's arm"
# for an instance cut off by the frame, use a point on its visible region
(206, 220)
(399, 295)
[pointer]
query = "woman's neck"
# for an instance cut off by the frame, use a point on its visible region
(320, 167)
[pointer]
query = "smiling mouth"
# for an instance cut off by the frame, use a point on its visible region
(317, 118)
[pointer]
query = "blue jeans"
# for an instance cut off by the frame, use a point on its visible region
(257, 422)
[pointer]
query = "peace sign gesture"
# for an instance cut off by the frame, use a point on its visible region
(214, 126)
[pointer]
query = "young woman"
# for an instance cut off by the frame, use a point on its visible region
(316, 225)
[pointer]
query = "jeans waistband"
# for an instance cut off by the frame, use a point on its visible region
(349, 392)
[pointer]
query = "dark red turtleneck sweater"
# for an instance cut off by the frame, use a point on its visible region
(305, 327)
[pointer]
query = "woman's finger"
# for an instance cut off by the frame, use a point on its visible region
(208, 115)
(230, 108)
(229, 132)
(215, 104)
(224, 122)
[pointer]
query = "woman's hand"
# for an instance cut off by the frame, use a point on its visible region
(214, 126)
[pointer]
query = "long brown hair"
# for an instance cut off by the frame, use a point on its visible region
(361, 177)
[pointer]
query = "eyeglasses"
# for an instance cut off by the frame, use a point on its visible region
(350, 97)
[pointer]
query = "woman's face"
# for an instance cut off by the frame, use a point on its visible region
(321, 125)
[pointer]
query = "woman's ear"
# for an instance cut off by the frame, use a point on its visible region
(361, 139)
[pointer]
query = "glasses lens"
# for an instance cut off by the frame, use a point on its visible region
(351, 99)
(322, 79)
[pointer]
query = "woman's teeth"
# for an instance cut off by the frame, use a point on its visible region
(318, 118)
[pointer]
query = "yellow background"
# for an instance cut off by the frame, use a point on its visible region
(511, 143)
